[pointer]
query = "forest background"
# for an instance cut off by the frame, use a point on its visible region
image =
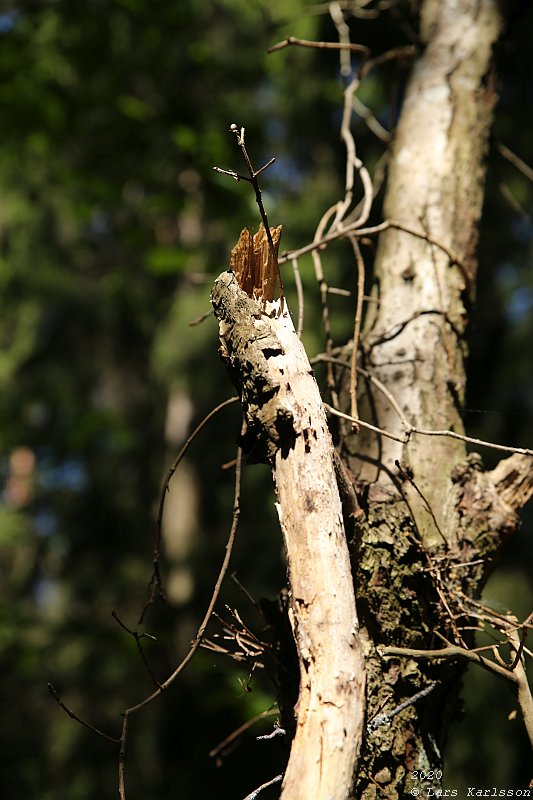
(113, 226)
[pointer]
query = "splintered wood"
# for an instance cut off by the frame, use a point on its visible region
(255, 265)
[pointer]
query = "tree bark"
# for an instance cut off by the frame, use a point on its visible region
(430, 509)
(415, 345)
(287, 428)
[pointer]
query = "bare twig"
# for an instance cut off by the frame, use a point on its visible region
(372, 378)
(401, 53)
(256, 792)
(276, 732)
(343, 32)
(406, 477)
(138, 636)
(472, 440)
(198, 320)
(293, 40)
(156, 585)
(352, 228)
(524, 698)
(523, 636)
(72, 715)
(452, 651)
(370, 120)
(300, 295)
(196, 642)
(421, 432)
(323, 286)
(364, 424)
(357, 328)
(253, 175)
(510, 197)
(270, 712)
(516, 161)
(384, 719)
(517, 677)
(122, 758)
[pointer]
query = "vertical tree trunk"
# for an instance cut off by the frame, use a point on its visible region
(415, 345)
(429, 506)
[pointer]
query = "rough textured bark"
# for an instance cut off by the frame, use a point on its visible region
(436, 512)
(415, 344)
(287, 428)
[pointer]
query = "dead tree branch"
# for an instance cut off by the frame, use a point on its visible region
(287, 428)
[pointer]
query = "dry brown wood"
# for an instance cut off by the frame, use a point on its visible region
(288, 429)
(254, 264)
(513, 480)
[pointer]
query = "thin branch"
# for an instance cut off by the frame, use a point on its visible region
(386, 393)
(292, 40)
(384, 719)
(370, 120)
(256, 792)
(276, 732)
(196, 642)
(245, 591)
(240, 730)
(522, 643)
(352, 228)
(421, 432)
(201, 318)
(452, 651)
(406, 477)
(239, 133)
(122, 759)
(72, 715)
(518, 677)
(357, 328)
(508, 195)
(232, 174)
(138, 636)
(155, 585)
(364, 424)
(525, 700)
(516, 161)
(401, 53)
(323, 286)
(300, 295)
(472, 440)
(343, 32)
(372, 378)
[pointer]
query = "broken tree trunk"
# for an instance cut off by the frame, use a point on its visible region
(287, 428)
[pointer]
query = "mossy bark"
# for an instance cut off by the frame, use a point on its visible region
(434, 522)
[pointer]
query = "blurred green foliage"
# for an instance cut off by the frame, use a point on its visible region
(112, 229)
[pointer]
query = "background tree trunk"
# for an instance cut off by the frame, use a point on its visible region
(429, 507)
